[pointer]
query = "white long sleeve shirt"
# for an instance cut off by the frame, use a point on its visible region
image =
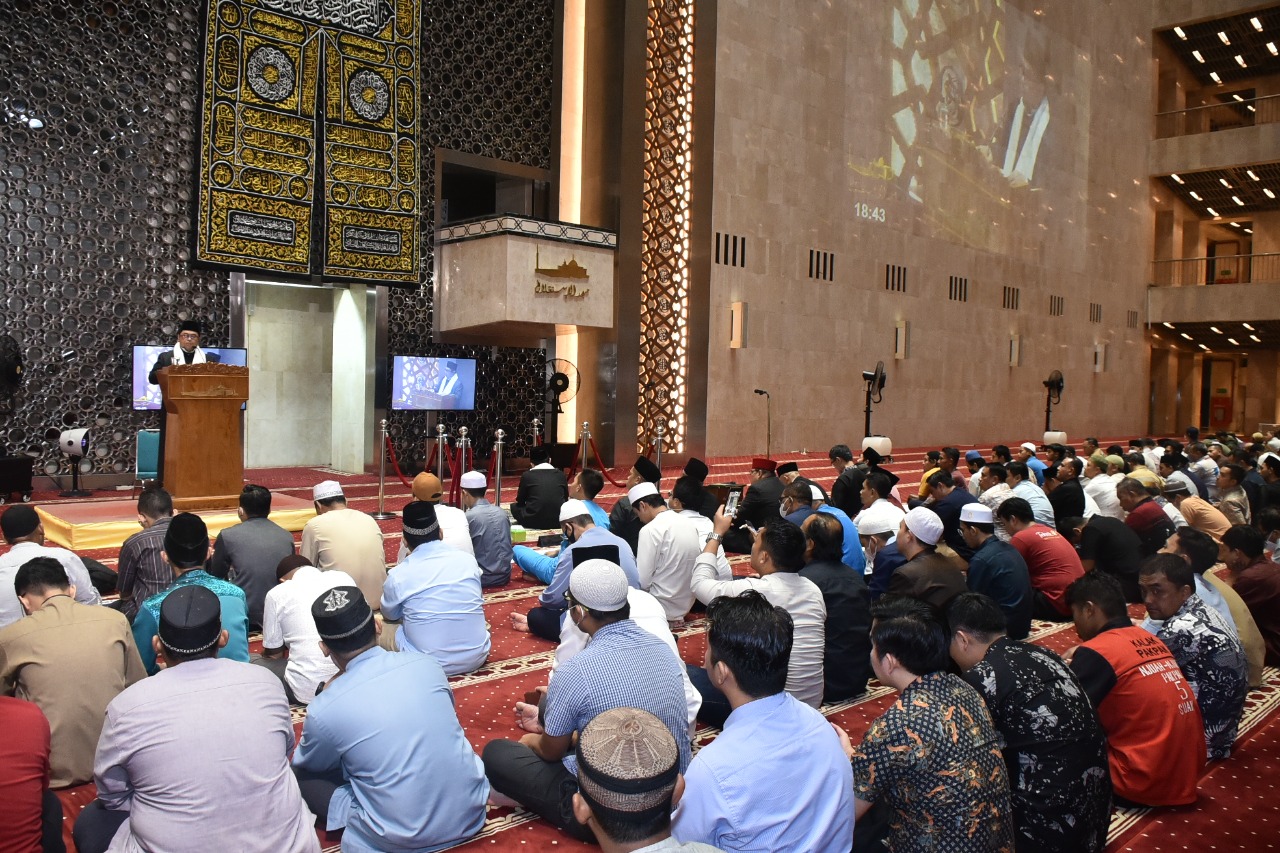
(668, 546)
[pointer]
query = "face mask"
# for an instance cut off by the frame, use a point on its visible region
(782, 510)
(570, 536)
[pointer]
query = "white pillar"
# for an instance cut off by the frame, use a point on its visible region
(352, 420)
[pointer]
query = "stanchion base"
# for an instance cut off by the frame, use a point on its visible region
(383, 516)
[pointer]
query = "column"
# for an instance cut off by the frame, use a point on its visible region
(352, 434)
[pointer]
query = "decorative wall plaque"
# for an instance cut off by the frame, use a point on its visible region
(309, 161)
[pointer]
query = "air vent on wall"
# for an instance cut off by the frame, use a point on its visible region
(958, 289)
(1012, 296)
(895, 278)
(822, 265)
(731, 250)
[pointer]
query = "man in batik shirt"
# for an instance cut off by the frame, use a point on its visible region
(1055, 751)
(1207, 649)
(931, 764)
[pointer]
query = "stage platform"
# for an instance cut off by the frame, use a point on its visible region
(106, 524)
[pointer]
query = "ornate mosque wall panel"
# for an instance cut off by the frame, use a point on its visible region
(961, 177)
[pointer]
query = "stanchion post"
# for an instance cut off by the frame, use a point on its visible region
(586, 439)
(534, 440)
(442, 438)
(497, 468)
(657, 443)
(382, 513)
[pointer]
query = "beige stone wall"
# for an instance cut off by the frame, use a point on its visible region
(804, 125)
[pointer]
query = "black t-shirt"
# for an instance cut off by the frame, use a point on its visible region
(1115, 549)
(847, 662)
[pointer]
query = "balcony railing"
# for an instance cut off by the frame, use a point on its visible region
(1221, 269)
(1214, 117)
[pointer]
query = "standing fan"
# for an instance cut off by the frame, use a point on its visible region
(563, 382)
(875, 391)
(1053, 396)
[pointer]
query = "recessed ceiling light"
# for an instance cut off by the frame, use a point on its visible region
(1250, 108)
(1268, 193)
(1235, 224)
(1234, 342)
(1212, 212)
(1198, 56)
(1183, 35)
(1238, 98)
(1237, 200)
(1185, 335)
(1215, 329)
(1240, 61)
(1215, 77)
(1176, 178)
(1271, 46)
(1167, 325)
(1222, 35)
(1247, 326)
(1256, 338)
(1196, 196)
(1250, 173)
(1248, 230)
(1223, 181)
(1257, 25)
(1203, 347)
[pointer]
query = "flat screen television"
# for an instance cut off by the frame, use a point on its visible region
(146, 395)
(423, 383)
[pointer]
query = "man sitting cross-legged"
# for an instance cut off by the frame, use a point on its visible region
(775, 778)
(197, 757)
(1206, 647)
(628, 779)
(398, 776)
(623, 666)
(931, 764)
(287, 626)
(541, 563)
(1055, 752)
(490, 531)
(846, 664)
(997, 569)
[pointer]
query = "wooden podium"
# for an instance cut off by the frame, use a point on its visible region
(204, 448)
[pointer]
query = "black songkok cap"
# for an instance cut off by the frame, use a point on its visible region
(190, 620)
(189, 326)
(187, 540)
(787, 468)
(872, 456)
(419, 519)
(696, 469)
(342, 617)
(19, 521)
(647, 470)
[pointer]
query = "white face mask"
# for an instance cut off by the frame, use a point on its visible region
(782, 510)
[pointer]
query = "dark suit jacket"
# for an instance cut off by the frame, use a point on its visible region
(625, 524)
(166, 360)
(929, 577)
(538, 500)
(759, 504)
(846, 492)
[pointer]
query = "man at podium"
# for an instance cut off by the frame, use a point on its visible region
(186, 350)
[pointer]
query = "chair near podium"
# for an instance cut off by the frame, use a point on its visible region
(204, 444)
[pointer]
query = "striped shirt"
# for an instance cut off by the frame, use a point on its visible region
(142, 570)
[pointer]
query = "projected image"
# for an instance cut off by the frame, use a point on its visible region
(426, 383)
(976, 95)
(146, 395)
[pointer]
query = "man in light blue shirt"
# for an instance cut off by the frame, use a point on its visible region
(582, 534)
(399, 777)
(777, 777)
(584, 487)
(490, 530)
(1018, 477)
(436, 593)
(1027, 456)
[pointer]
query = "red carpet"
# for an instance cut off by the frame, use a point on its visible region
(1238, 808)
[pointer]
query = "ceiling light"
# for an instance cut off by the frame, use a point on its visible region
(1167, 325)
(1248, 230)
(1256, 338)
(1240, 61)
(1257, 25)
(1185, 335)
(1223, 181)
(1176, 178)
(1215, 329)
(1238, 98)
(1235, 224)
(1250, 108)
(1196, 195)
(1271, 46)
(1183, 35)
(1212, 212)
(1203, 347)
(1268, 193)
(1216, 78)
(1237, 200)
(1222, 35)
(1247, 326)
(1234, 342)
(1198, 55)
(1250, 173)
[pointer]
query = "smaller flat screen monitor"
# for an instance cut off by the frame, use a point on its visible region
(146, 395)
(421, 383)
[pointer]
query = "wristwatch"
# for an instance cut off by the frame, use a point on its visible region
(716, 536)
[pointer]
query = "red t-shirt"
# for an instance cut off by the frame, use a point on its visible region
(1051, 561)
(24, 774)
(1155, 735)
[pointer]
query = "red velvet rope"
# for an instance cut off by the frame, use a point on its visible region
(603, 470)
(493, 460)
(395, 465)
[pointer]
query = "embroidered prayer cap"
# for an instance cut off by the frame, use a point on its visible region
(573, 508)
(187, 539)
(641, 490)
(787, 468)
(474, 480)
(327, 489)
(646, 469)
(879, 518)
(341, 614)
(190, 620)
(427, 487)
(924, 524)
(419, 519)
(289, 563)
(19, 521)
(599, 585)
(628, 763)
(696, 469)
(976, 513)
(762, 464)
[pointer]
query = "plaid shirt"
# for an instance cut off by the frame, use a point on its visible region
(142, 570)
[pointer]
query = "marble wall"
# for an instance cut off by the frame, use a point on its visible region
(838, 131)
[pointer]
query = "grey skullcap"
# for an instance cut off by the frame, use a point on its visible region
(599, 585)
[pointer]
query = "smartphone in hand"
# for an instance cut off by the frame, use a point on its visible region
(731, 505)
